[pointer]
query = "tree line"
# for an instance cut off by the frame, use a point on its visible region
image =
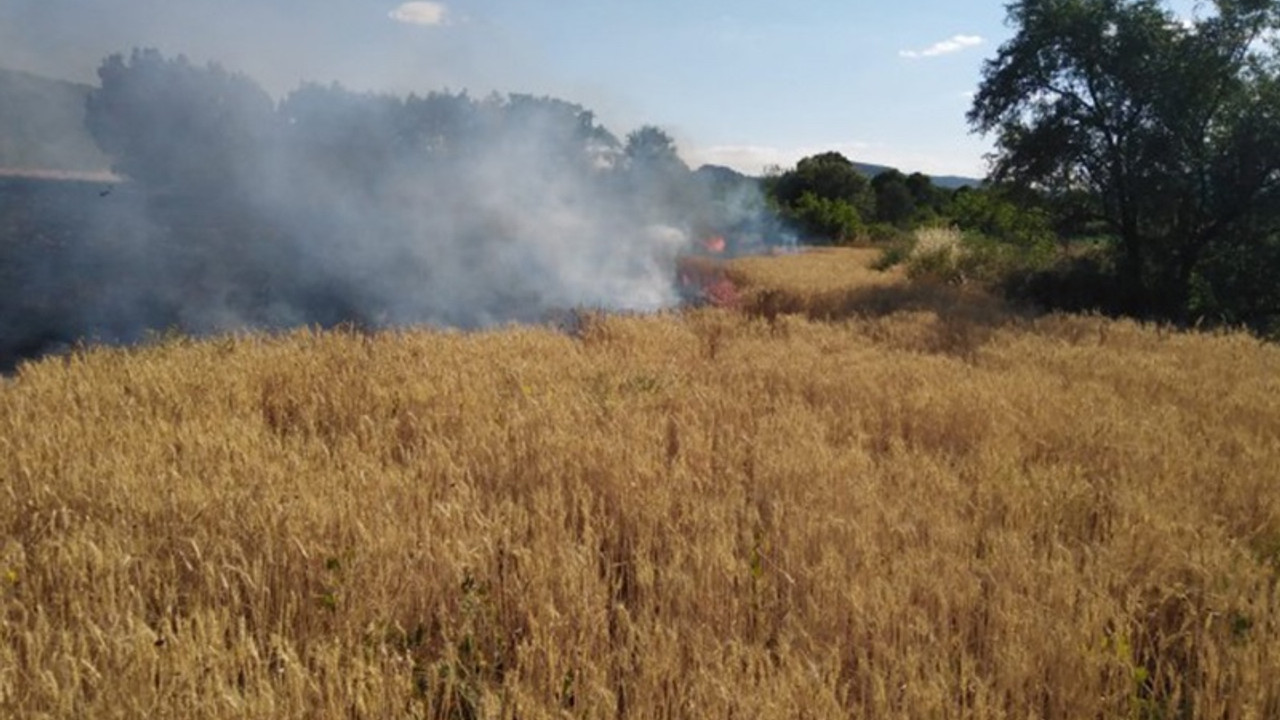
(330, 205)
(827, 199)
(1159, 136)
(175, 126)
(1136, 167)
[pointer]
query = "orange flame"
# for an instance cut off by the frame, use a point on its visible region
(714, 244)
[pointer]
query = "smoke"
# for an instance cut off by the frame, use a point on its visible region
(41, 126)
(330, 206)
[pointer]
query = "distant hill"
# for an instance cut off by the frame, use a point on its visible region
(42, 125)
(870, 169)
(950, 182)
(721, 176)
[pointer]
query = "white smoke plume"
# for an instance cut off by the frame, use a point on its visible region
(330, 206)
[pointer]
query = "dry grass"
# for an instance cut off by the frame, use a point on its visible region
(815, 271)
(916, 514)
(943, 240)
(839, 284)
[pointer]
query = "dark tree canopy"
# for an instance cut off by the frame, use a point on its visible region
(827, 198)
(926, 195)
(824, 197)
(654, 175)
(652, 148)
(338, 133)
(1170, 129)
(167, 121)
(174, 126)
(895, 203)
(829, 175)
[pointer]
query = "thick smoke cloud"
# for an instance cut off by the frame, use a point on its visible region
(331, 206)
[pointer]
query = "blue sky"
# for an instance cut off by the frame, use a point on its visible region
(747, 84)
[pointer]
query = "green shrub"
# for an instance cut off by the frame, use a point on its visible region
(825, 220)
(884, 233)
(949, 256)
(991, 261)
(990, 213)
(894, 254)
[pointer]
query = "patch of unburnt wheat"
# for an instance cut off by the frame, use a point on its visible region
(698, 514)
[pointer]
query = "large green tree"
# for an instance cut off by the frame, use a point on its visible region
(824, 197)
(1169, 126)
(828, 175)
(895, 203)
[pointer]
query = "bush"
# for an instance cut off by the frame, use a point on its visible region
(936, 256)
(949, 256)
(994, 262)
(894, 254)
(1078, 282)
(989, 212)
(1235, 285)
(935, 265)
(883, 233)
(825, 220)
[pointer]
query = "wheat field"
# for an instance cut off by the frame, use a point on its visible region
(861, 499)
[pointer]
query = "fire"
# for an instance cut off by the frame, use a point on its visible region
(701, 274)
(703, 281)
(714, 244)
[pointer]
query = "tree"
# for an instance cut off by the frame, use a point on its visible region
(824, 196)
(828, 175)
(895, 203)
(824, 219)
(1171, 128)
(659, 182)
(548, 131)
(928, 197)
(338, 133)
(652, 148)
(170, 123)
(993, 213)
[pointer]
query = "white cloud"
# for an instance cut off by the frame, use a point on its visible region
(945, 47)
(421, 13)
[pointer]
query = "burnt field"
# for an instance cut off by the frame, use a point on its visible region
(84, 261)
(48, 271)
(99, 262)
